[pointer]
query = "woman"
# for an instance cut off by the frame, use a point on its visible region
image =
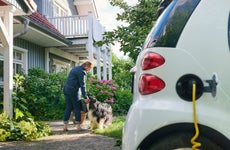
(76, 80)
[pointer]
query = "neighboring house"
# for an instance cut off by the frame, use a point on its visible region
(58, 36)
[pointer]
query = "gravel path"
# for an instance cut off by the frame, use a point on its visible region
(83, 140)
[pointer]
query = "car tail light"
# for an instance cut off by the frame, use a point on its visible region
(152, 60)
(149, 84)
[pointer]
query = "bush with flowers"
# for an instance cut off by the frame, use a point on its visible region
(102, 90)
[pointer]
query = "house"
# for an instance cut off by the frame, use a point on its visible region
(54, 35)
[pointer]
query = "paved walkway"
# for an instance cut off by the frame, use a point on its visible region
(71, 140)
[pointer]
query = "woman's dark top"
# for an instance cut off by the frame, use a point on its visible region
(76, 80)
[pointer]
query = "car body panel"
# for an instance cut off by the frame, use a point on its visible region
(202, 50)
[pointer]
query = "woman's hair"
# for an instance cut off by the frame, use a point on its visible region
(87, 64)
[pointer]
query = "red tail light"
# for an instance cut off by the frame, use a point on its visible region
(149, 84)
(152, 60)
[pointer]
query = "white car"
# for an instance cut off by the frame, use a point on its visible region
(181, 89)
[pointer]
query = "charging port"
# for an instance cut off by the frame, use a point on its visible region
(184, 87)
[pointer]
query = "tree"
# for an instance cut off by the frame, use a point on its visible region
(138, 20)
(121, 72)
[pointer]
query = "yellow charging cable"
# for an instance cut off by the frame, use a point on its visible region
(195, 144)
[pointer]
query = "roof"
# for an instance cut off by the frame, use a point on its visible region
(43, 21)
(2, 3)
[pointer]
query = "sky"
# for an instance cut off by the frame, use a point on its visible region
(107, 16)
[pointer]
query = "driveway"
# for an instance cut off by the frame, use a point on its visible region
(71, 140)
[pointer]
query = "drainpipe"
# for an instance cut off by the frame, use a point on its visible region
(26, 28)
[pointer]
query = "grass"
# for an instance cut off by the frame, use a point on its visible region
(114, 130)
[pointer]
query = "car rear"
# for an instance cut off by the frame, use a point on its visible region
(188, 44)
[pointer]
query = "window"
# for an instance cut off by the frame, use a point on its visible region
(19, 62)
(170, 24)
(59, 66)
(59, 10)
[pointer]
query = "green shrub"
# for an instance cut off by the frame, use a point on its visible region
(4, 127)
(103, 90)
(44, 94)
(19, 101)
(4, 135)
(26, 130)
(37, 95)
(123, 102)
(107, 91)
(1, 99)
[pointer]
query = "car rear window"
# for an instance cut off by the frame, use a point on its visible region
(170, 24)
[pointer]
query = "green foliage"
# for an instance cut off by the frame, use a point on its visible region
(19, 102)
(27, 130)
(1, 100)
(121, 72)
(114, 130)
(102, 90)
(107, 91)
(117, 90)
(121, 99)
(123, 102)
(4, 135)
(44, 94)
(138, 20)
(39, 95)
(4, 127)
(122, 77)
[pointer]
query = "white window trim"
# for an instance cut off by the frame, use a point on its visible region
(60, 7)
(61, 63)
(24, 57)
(2, 59)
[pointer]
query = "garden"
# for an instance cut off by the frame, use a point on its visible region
(38, 97)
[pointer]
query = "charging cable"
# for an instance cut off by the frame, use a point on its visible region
(195, 144)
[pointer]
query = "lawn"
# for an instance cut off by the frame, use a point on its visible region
(114, 130)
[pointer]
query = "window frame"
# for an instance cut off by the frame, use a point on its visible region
(24, 56)
(22, 62)
(59, 10)
(59, 66)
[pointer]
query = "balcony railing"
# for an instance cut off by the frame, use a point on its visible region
(72, 26)
(79, 26)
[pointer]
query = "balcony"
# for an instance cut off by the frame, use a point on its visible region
(79, 26)
(82, 30)
(72, 26)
